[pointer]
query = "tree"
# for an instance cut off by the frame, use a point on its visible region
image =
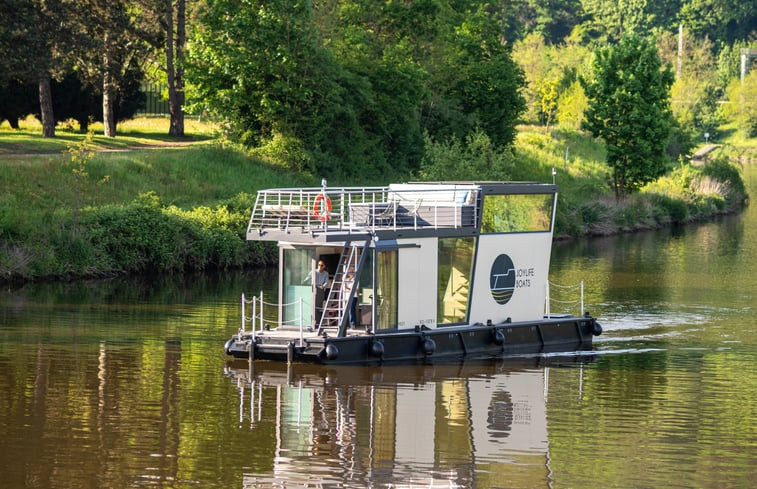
(162, 24)
(350, 87)
(44, 37)
(742, 106)
(489, 88)
(720, 20)
(695, 93)
(629, 108)
(113, 28)
(612, 19)
(107, 60)
(571, 106)
(175, 46)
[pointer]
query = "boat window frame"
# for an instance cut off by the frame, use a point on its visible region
(549, 211)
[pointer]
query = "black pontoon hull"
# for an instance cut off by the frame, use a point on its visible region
(445, 343)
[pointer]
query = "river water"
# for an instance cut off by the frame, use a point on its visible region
(123, 383)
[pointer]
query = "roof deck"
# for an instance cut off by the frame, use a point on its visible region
(347, 213)
(361, 211)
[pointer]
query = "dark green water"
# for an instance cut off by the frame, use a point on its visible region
(123, 384)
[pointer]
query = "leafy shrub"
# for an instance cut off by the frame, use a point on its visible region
(144, 236)
(288, 151)
(676, 210)
(722, 170)
(474, 159)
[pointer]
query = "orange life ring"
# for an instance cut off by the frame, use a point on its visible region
(319, 212)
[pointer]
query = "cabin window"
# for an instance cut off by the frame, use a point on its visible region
(454, 276)
(517, 213)
(386, 289)
(297, 287)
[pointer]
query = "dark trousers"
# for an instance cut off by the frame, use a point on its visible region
(353, 312)
(320, 298)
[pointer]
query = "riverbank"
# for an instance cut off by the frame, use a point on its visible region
(689, 192)
(102, 209)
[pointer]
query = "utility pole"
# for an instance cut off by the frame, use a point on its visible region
(747, 55)
(680, 50)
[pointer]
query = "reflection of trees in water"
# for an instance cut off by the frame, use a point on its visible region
(156, 289)
(93, 418)
(657, 266)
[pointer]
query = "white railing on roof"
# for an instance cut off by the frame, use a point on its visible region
(361, 208)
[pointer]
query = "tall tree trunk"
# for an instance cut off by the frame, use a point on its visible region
(46, 107)
(109, 120)
(175, 75)
(181, 40)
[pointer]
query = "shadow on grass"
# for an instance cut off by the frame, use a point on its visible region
(17, 142)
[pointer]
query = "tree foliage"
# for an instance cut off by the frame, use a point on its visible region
(629, 108)
(474, 158)
(742, 106)
(720, 20)
(349, 88)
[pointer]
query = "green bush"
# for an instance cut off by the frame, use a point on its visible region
(722, 170)
(144, 236)
(477, 158)
(676, 210)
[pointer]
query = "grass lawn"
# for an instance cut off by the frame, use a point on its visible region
(38, 176)
(142, 132)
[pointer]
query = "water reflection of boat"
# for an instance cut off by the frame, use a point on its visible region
(422, 271)
(444, 425)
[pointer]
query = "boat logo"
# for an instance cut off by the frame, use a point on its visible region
(502, 279)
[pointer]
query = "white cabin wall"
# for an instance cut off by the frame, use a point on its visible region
(417, 283)
(530, 254)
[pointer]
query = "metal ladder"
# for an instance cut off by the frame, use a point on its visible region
(336, 309)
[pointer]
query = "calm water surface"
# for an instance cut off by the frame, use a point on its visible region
(123, 384)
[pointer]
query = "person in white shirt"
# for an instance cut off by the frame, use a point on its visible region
(321, 285)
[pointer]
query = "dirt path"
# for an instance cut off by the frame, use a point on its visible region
(156, 145)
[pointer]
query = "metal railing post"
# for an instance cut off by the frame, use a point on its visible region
(581, 312)
(261, 311)
(253, 319)
(301, 340)
(546, 303)
(241, 330)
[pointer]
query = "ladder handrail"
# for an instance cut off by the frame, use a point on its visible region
(353, 290)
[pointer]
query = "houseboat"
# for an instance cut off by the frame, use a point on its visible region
(408, 272)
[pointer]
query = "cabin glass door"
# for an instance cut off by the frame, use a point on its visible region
(386, 289)
(454, 279)
(297, 287)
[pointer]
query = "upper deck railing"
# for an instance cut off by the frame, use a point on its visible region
(360, 209)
